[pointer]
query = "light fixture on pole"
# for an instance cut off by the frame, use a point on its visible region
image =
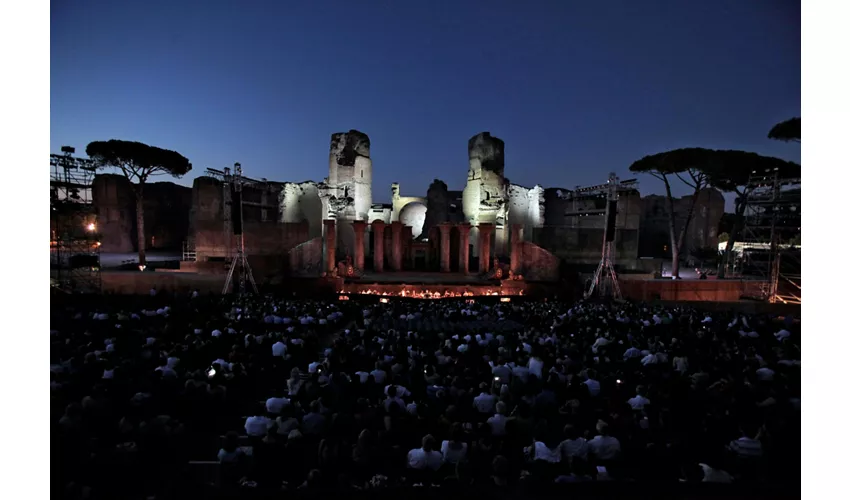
(605, 281)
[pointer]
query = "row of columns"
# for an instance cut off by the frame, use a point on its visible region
(485, 232)
(378, 228)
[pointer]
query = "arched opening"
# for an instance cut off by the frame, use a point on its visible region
(413, 215)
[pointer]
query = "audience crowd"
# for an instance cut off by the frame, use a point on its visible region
(159, 395)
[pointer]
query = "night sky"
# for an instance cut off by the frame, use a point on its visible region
(575, 89)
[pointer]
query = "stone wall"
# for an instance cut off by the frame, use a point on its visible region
(437, 202)
(565, 208)
(300, 202)
(347, 193)
(382, 212)
(538, 264)
(485, 193)
(526, 206)
(116, 212)
(702, 231)
(350, 174)
(262, 237)
(167, 208)
(305, 259)
(166, 213)
(577, 238)
(584, 245)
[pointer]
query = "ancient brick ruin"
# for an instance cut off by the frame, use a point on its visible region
(311, 227)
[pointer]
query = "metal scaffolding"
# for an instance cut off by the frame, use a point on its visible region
(232, 184)
(771, 236)
(74, 236)
(605, 282)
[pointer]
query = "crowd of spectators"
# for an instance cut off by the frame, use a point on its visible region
(265, 394)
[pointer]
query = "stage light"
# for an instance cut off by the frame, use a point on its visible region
(384, 300)
(142, 268)
(91, 226)
(505, 299)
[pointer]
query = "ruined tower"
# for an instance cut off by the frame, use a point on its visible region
(347, 192)
(485, 194)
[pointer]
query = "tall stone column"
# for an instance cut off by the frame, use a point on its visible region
(445, 246)
(516, 248)
(397, 227)
(330, 245)
(378, 245)
(359, 228)
(463, 248)
(406, 242)
(485, 233)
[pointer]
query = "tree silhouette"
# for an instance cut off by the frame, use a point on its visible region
(689, 166)
(138, 162)
(729, 171)
(787, 131)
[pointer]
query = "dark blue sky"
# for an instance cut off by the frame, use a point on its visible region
(575, 89)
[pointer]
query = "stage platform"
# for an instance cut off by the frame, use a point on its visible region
(432, 285)
(422, 278)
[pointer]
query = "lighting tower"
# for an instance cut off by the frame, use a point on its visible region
(605, 278)
(241, 260)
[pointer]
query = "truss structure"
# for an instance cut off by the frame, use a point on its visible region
(605, 282)
(770, 236)
(74, 237)
(236, 257)
(228, 186)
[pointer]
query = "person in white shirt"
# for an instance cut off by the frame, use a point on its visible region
(593, 385)
(364, 376)
(279, 349)
(486, 401)
(649, 359)
(276, 405)
(535, 367)
(392, 397)
(426, 457)
(631, 353)
(166, 370)
(258, 426)
(748, 446)
(782, 334)
(764, 373)
(379, 374)
(601, 341)
(574, 446)
(400, 390)
(499, 421)
(454, 450)
(639, 402)
(603, 446)
(520, 371)
(230, 452)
